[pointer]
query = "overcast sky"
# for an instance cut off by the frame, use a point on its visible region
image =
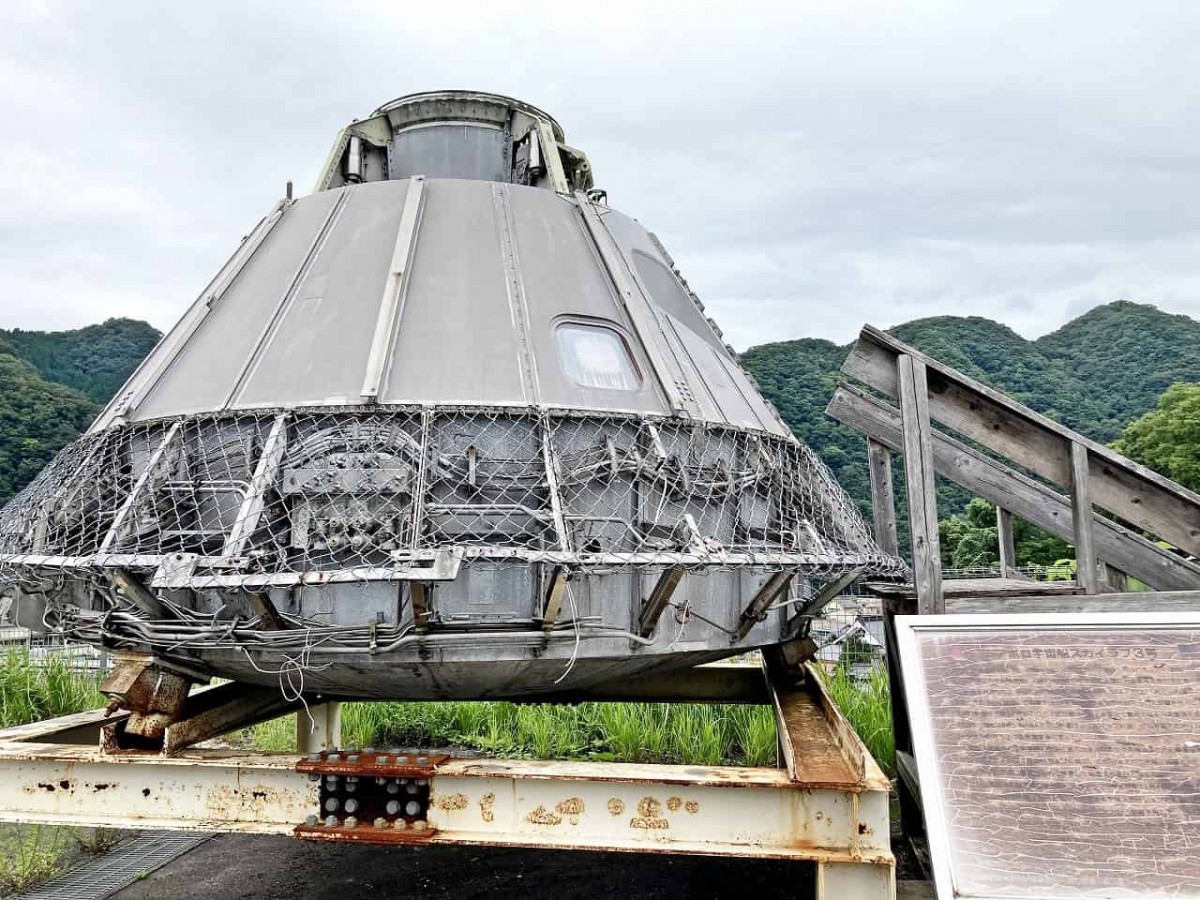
(811, 166)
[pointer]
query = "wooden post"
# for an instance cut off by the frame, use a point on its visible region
(1117, 581)
(883, 499)
(1086, 573)
(1008, 546)
(919, 480)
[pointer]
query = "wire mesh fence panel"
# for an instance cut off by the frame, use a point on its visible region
(358, 492)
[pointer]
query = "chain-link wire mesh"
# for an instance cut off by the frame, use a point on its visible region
(368, 493)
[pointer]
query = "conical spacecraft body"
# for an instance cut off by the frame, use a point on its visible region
(450, 426)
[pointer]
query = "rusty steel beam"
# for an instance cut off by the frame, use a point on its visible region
(830, 808)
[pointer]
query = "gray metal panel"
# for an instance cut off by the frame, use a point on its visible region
(450, 151)
(455, 340)
(562, 280)
(319, 351)
(205, 372)
(666, 291)
(717, 383)
(722, 377)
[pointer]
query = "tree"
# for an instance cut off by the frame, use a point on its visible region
(969, 540)
(1167, 439)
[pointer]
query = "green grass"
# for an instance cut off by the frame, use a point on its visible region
(31, 854)
(694, 734)
(30, 693)
(623, 732)
(867, 706)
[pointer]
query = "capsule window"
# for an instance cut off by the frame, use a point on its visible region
(597, 357)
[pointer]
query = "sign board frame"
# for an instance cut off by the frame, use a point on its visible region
(909, 629)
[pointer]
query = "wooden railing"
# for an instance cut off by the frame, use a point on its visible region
(1091, 475)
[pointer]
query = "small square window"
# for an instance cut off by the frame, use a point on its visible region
(597, 357)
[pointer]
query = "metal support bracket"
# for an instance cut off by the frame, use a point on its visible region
(391, 306)
(656, 603)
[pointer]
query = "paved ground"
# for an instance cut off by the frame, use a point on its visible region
(275, 868)
(281, 868)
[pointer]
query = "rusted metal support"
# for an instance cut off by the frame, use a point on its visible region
(218, 710)
(418, 593)
(266, 611)
(660, 596)
(829, 809)
(775, 586)
(131, 588)
(154, 692)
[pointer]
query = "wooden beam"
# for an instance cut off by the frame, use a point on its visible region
(1086, 572)
(1033, 441)
(920, 483)
(1023, 496)
(554, 596)
(1145, 601)
(659, 597)
(1117, 581)
(1008, 545)
(883, 498)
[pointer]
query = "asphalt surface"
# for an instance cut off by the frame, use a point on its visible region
(240, 867)
(243, 867)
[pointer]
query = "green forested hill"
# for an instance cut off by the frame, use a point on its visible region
(37, 417)
(1095, 374)
(94, 360)
(1127, 354)
(53, 383)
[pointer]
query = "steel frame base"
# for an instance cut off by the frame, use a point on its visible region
(829, 806)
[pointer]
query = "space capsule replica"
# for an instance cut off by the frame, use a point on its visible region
(449, 427)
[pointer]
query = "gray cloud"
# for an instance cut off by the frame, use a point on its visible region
(811, 166)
